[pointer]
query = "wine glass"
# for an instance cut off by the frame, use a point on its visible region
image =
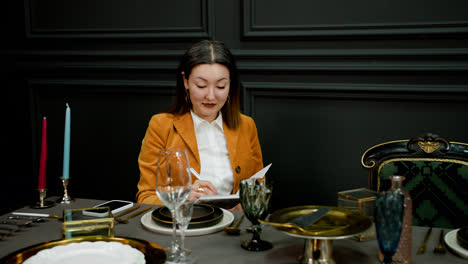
(173, 186)
(389, 210)
(183, 216)
(255, 197)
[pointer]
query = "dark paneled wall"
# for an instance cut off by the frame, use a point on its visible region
(323, 80)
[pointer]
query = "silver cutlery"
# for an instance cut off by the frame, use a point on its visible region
(31, 218)
(38, 215)
(16, 223)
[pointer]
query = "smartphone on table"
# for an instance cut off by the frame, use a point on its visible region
(115, 206)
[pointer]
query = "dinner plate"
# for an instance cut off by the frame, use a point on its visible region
(462, 237)
(90, 250)
(205, 216)
(98, 252)
(451, 242)
(201, 212)
(226, 220)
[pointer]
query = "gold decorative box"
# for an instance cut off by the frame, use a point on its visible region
(76, 222)
(363, 201)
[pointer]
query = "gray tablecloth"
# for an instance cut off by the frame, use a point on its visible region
(221, 248)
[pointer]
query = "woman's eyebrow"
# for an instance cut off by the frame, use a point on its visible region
(203, 79)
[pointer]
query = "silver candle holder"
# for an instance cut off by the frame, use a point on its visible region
(42, 203)
(66, 199)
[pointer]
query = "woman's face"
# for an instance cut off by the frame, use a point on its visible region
(208, 86)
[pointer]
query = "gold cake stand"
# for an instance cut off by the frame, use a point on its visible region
(338, 223)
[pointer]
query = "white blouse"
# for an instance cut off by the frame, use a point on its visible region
(214, 154)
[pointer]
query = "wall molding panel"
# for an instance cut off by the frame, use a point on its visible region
(119, 19)
(355, 60)
(261, 22)
(345, 91)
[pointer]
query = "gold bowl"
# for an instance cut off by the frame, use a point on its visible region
(338, 223)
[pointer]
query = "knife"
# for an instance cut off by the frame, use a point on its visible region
(309, 219)
(38, 215)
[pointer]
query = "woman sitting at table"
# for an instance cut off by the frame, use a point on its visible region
(222, 144)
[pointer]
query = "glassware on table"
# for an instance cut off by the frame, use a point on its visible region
(403, 253)
(183, 217)
(389, 209)
(173, 186)
(255, 198)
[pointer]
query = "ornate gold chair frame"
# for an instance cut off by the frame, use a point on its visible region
(426, 148)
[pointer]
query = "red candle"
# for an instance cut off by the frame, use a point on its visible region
(43, 161)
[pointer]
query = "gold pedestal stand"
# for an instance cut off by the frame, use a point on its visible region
(338, 223)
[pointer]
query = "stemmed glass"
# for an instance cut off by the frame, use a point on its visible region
(173, 186)
(183, 216)
(389, 210)
(255, 197)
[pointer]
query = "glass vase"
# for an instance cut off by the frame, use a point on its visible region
(403, 254)
(388, 217)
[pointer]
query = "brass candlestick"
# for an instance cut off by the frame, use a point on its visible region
(42, 203)
(66, 199)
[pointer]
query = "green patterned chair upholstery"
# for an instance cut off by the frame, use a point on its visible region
(436, 173)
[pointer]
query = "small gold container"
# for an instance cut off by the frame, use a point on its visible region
(363, 201)
(76, 223)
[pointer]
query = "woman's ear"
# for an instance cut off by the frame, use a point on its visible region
(185, 80)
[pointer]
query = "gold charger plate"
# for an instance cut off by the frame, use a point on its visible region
(153, 252)
(336, 224)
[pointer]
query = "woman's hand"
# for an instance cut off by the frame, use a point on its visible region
(200, 188)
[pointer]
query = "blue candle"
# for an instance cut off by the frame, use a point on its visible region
(66, 144)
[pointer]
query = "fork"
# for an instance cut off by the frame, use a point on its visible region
(422, 248)
(440, 249)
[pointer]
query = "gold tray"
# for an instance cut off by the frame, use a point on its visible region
(153, 252)
(336, 224)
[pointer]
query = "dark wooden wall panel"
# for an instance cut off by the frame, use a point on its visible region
(323, 80)
(315, 136)
(123, 19)
(107, 127)
(302, 18)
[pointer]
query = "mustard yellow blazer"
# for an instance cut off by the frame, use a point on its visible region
(168, 130)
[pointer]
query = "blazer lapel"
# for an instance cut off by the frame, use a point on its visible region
(184, 126)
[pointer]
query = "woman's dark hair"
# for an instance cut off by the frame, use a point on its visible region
(208, 52)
